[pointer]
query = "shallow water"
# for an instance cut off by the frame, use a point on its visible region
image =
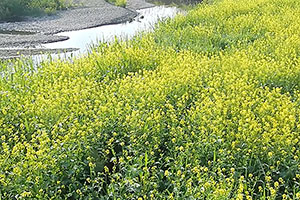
(83, 39)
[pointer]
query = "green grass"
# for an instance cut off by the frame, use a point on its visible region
(205, 107)
(121, 3)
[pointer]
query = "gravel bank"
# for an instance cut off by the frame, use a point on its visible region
(91, 13)
(8, 40)
(138, 4)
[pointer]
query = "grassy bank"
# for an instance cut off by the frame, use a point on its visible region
(206, 107)
(12, 9)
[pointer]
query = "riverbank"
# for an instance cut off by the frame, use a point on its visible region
(40, 30)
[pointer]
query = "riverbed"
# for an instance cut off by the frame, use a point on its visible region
(84, 39)
(96, 21)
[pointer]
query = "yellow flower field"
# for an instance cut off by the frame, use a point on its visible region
(205, 107)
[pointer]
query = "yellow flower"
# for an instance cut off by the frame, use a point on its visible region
(178, 172)
(270, 154)
(181, 148)
(25, 194)
(166, 173)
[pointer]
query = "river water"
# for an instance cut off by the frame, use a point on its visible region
(145, 21)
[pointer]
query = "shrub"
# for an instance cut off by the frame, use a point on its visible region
(121, 3)
(19, 8)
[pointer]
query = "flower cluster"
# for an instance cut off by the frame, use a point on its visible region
(205, 107)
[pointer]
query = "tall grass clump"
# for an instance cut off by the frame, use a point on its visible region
(205, 107)
(12, 9)
(121, 3)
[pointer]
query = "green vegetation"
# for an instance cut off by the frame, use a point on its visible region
(206, 107)
(121, 3)
(18, 8)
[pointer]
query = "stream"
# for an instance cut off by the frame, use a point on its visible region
(83, 39)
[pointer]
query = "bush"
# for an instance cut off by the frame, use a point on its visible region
(121, 3)
(19, 8)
